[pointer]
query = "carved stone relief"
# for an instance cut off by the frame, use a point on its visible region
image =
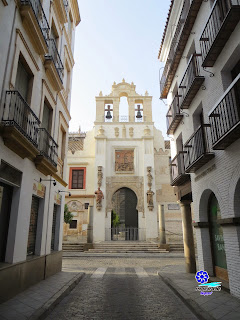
(124, 160)
(132, 182)
(150, 193)
(131, 133)
(124, 132)
(75, 206)
(100, 176)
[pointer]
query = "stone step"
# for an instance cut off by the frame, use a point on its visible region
(126, 251)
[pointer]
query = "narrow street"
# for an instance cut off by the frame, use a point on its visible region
(121, 288)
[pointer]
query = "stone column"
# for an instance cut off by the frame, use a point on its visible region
(162, 235)
(90, 225)
(188, 240)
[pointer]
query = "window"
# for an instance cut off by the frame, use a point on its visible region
(47, 118)
(86, 205)
(70, 22)
(77, 178)
(24, 79)
(73, 224)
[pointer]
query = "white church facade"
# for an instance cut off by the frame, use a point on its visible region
(122, 165)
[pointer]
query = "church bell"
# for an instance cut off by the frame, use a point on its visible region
(108, 116)
(139, 115)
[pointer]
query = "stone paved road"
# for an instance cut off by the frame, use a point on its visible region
(121, 289)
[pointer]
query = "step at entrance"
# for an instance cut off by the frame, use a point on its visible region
(73, 247)
(126, 247)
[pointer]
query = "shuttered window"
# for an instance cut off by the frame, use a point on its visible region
(33, 226)
(77, 179)
(54, 226)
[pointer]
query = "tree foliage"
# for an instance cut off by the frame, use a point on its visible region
(68, 216)
(115, 219)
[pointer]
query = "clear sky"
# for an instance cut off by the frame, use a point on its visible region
(117, 39)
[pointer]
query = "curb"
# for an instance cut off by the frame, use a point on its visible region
(43, 311)
(191, 304)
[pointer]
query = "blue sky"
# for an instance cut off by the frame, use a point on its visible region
(117, 39)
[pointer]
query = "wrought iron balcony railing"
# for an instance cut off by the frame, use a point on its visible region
(174, 115)
(197, 149)
(191, 81)
(54, 55)
(225, 117)
(40, 16)
(18, 114)
(223, 19)
(184, 26)
(177, 170)
(47, 146)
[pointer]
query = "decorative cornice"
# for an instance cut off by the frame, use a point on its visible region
(76, 13)
(63, 118)
(27, 48)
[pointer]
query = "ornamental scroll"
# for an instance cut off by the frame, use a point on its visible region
(150, 193)
(124, 161)
(98, 192)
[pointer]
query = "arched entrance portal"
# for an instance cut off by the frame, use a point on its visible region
(217, 239)
(124, 218)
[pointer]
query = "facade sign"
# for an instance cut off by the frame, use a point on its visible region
(39, 189)
(57, 199)
(124, 160)
(173, 206)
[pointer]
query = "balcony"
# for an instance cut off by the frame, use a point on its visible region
(178, 175)
(197, 149)
(19, 126)
(225, 117)
(46, 161)
(174, 117)
(35, 22)
(54, 66)
(223, 19)
(186, 21)
(62, 9)
(191, 82)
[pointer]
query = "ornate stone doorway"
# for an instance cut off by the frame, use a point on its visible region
(124, 215)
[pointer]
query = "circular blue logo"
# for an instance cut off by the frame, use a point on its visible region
(202, 276)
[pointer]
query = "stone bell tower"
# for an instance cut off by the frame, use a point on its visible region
(124, 161)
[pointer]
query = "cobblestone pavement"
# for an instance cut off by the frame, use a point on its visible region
(121, 288)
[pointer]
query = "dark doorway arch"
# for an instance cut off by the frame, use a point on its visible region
(217, 239)
(124, 219)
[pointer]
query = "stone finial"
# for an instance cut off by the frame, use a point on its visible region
(116, 131)
(114, 83)
(147, 131)
(132, 84)
(123, 80)
(124, 132)
(146, 93)
(100, 94)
